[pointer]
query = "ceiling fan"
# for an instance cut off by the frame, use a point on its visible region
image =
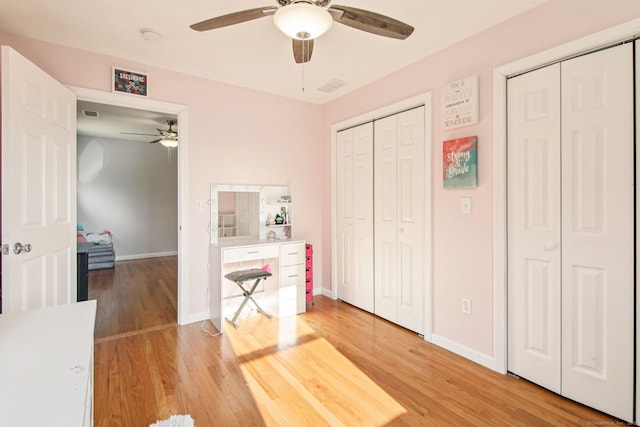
(168, 137)
(305, 20)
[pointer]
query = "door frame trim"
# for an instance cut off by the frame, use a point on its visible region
(97, 96)
(500, 75)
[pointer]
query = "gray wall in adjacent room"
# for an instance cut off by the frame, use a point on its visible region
(129, 188)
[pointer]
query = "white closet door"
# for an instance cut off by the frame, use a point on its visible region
(597, 230)
(571, 229)
(399, 218)
(411, 218)
(534, 264)
(355, 216)
(386, 245)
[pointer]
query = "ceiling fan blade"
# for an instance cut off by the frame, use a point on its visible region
(302, 50)
(233, 18)
(141, 134)
(372, 22)
(157, 140)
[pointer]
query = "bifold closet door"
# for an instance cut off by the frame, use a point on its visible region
(399, 218)
(571, 229)
(354, 152)
(534, 214)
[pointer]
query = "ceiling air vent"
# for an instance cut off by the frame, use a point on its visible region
(331, 85)
(89, 113)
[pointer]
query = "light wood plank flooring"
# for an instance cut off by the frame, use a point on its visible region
(135, 295)
(335, 365)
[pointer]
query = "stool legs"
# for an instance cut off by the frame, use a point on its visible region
(248, 296)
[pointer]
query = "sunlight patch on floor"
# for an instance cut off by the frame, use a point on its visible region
(298, 378)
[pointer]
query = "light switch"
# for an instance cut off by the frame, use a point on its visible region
(199, 205)
(465, 205)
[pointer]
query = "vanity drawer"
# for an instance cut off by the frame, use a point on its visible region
(249, 253)
(292, 275)
(292, 253)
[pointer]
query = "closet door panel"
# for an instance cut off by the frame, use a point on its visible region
(410, 220)
(534, 263)
(344, 215)
(385, 201)
(597, 230)
(363, 216)
(355, 215)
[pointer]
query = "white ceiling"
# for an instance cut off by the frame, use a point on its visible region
(254, 54)
(112, 121)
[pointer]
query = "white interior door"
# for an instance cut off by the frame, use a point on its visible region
(399, 218)
(597, 230)
(571, 227)
(534, 264)
(355, 216)
(38, 186)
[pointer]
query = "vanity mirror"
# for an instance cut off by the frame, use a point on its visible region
(249, 212)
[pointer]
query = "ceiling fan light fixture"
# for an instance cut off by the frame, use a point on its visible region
(303, 20)
(169, 142)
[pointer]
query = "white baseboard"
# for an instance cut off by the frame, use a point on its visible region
(324, 291)
(141, 256)
(464, 351)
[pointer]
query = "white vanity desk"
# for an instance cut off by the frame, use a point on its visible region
(283, 294)
(242, 217)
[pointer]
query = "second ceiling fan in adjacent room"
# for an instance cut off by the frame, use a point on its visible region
(167, 137)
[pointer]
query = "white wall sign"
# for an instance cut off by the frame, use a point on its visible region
(460, 103)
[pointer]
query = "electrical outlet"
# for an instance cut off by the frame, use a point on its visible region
(466, 305)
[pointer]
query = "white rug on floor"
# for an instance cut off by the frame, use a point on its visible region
(175, 421)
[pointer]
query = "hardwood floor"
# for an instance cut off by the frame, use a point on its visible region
(335, 365)
(135, 295)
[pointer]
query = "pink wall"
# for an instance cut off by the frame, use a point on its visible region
(457, 239)
(242, 136)
(236, 136)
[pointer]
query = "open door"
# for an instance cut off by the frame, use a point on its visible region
(38, 187)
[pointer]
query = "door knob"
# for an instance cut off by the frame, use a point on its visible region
(18, 248)
(550, 246)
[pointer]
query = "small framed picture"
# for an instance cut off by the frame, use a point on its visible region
(460, 162)
(130, 82)
(460, 105)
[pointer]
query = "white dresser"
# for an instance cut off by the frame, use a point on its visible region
(46, 366)
(283, 293)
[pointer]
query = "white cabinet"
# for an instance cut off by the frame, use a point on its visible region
(391, 282)
(354, 215)
(46, 366)
(571, 229)
(292, 279)
(399, 218)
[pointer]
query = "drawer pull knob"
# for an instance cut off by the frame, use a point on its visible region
(252, 252)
